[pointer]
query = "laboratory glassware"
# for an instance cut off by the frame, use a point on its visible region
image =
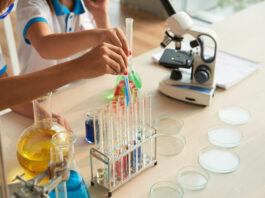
(234, 115)
(75, 185)
(218, 160)
(91, 131)
(169, 145)
(57, 157)
(129, 142)
(225, 136)
(193, 178)
(164, 189)
(33, 147)
(133, 77)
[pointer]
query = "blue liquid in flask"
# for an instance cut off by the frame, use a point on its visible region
(76, 187)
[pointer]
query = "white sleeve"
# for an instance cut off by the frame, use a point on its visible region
(29, 12)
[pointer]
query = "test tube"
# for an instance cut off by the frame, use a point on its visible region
(133, 134)
(123, 133)
(114, 108)
(111, 145)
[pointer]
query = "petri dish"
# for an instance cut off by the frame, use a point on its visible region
(225, 136)
(168, 125)
(166, 189)
(170, 145)
(218, 160)
(234, 115)
(193, 178)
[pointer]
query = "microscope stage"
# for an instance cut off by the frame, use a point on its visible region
(187, 92)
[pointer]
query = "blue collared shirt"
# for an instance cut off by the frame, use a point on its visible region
(60, 20)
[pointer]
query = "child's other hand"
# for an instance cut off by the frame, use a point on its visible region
(115, 37)
(96, 6)
(62, 121)
(103, 59)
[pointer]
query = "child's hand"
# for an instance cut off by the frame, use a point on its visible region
(103, 59)
(96, 6)
(62, 121)
(115, 37)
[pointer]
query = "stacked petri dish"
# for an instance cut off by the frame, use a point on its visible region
(169, 142)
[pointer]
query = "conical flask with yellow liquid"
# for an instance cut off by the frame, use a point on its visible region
(33, 148)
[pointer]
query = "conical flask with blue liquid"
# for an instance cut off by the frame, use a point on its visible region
(75, 185)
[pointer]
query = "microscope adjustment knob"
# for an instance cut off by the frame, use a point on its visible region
(202, 74)
(194, 43)
(176, 74)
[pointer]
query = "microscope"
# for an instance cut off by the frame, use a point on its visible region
(196, 86)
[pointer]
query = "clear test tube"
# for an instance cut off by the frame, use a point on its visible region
(141, 114)
(98, 125)
(114, 108)
(137, 131)
(106, 145)
(133, 135)
(123, 133)
(110, 132)
(128, 136)
(145, 114)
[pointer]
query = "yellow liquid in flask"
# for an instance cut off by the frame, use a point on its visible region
(33, 150)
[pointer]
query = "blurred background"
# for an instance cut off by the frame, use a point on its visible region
(149, 25)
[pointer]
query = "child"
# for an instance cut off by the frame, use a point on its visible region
(54, 31)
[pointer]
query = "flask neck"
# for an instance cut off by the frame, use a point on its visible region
(65, 142)
(42, 108)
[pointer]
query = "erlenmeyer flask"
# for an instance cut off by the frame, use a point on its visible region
(33, 148)
(75, 185)
(133, 76)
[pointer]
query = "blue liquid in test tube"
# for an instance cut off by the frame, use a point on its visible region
(90, 130)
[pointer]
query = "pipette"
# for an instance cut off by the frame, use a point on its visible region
(127, 88)
(129, 37)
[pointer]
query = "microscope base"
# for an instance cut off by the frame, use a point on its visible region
(187, 93)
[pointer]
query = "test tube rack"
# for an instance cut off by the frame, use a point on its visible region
(110, 182)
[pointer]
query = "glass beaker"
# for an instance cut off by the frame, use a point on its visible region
(75, 185)
(33, 147)
(92, 127)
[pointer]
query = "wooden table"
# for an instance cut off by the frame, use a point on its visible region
(242, 34)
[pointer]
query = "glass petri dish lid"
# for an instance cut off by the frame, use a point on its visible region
(234, 115)
(225, 136)
(166, 189)
(192, 178)
(218, 160)
(168, 125)
(168, 145)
